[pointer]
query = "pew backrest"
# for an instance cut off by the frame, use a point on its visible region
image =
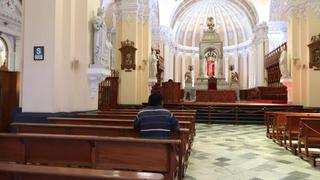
(92, 151)
(10, 171)
(310, 127)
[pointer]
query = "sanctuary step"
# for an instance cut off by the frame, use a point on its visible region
(234, 113)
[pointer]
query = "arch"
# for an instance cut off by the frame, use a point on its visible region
(235, 19)
(4, 53)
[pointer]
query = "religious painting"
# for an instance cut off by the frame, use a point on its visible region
(315, 55)
(128, 54)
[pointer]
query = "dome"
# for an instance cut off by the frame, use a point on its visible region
(234, 21)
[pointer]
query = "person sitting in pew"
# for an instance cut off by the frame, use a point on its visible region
(154, 121)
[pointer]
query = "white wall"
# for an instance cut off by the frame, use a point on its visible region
(64, 29)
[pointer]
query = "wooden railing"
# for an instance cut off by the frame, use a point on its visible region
(108, 92)
(272, 66)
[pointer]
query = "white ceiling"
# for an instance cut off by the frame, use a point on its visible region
(167, 9)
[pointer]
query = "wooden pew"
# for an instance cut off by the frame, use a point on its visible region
(10, 171)
(286, 127)
(133, 116)
(309, 137)
(292, 128)
(98, 130)
(135, 112)
(268, 122)
(107, 153)
(104, 122)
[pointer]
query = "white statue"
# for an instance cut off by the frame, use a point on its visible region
(100, 38)
(284, 64)
(153, 66)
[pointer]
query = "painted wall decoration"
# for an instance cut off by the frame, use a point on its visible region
(128, 54)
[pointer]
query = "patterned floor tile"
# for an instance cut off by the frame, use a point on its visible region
(243, 153)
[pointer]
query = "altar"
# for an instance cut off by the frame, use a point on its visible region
(211, 85)
(216, 96)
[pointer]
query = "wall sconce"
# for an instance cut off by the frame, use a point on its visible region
(144, 64)
(75, 63)
(296, 61)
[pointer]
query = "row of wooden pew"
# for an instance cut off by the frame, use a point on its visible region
(98, 141)
(298, 132)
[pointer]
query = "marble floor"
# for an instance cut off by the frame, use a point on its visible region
(242, 152)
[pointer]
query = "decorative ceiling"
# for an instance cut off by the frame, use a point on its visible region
(234, 19)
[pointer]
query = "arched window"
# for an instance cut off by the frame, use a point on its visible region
(3, 51)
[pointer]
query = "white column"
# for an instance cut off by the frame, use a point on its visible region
(183, 70)
(176, 67)
(201, 67)
(245, 71)
(261, 38)
(193, 63)
(168, 63)
(252, 67)
(226, 66)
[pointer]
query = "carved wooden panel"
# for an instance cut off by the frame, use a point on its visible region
(108, 92)
(216, 96)
(9, 97)
(128, 55)
(272, 61)
(314, 49)
(212, 83)
(171, 92)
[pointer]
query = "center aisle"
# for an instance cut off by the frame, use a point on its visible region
(242, 152)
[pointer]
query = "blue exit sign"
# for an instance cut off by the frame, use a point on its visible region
(38, 53)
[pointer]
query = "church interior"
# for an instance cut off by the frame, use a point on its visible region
(240, 77)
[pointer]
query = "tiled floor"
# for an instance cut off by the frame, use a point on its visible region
(243, 153)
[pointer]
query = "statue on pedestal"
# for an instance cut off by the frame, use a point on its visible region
(284, 64)
(100, 38)
(188, 76)
(153, 65)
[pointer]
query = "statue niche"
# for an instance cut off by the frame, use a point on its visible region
(210, 57)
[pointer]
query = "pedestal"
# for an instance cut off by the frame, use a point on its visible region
(288, 84)
(189, 93)
(201, 84)
(151, 83)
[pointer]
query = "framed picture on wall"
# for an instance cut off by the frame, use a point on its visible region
(38, 53)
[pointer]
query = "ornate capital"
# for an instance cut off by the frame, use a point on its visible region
(299, 7)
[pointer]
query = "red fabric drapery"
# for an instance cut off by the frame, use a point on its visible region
(210, 68)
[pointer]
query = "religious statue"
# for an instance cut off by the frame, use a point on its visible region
(284, 64)
(188, 77)
(153, 65)
(234, 76)
(210, 23)
(100, 38)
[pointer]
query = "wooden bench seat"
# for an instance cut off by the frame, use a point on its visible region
(176, 113)
(309, 137)
(285, 124)
(133, 116)
(10, 171)
(98, 130)
(104, 122)
(292, 128)
(120, 153)
(93, 130)
(137, 110)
